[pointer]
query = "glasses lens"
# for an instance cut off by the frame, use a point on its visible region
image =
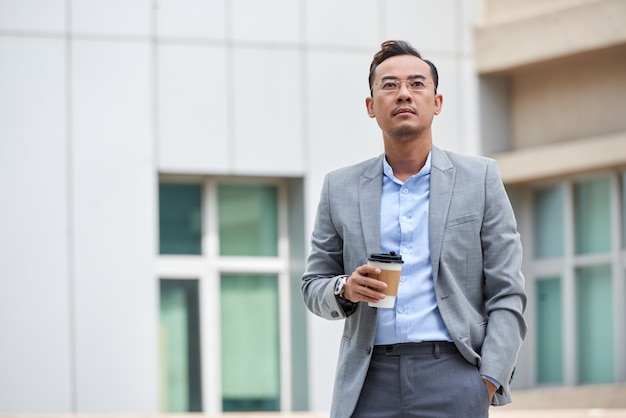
(416, 85)
(389, 85)
(394, 85)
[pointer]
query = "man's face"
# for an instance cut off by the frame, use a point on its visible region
(403, 109)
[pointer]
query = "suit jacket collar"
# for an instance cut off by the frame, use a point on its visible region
(370, 193)
(442, 178)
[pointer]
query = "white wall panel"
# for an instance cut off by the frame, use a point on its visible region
(34, 288)
(447, 125)
(193, 109)
(201, 19)
(469, 111)
(39, 15)
(340, 130)
(343, 23)
(267, 112)
(470, 14)
(111, 17)
(428, 26)
(114, 207)
(266, 21)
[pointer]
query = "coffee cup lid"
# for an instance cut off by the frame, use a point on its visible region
(390, 257)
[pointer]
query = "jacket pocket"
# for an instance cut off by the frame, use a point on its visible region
(463, 219)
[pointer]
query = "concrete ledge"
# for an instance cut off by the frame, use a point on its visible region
(501, 46)
(562, 159)
(597, 397)
(558, 413)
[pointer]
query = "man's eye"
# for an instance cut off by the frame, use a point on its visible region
(389, 85)
(417, 84)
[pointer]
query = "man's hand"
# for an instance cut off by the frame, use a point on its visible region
(491, 388)
(362, 288)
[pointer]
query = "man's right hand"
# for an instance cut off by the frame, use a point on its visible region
(362, 288)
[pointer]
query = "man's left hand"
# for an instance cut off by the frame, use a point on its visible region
(491, 388)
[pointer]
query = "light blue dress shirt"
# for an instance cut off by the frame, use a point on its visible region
(404, 229)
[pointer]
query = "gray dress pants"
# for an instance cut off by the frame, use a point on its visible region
(425, 380)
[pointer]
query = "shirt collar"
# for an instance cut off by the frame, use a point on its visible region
(388, 171)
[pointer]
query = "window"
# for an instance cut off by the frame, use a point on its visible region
(549, 325)
(548, 226)
(594, 324)
(248, 220)
(592, 216)
(226, 303)
(575, 278)
(179, 218)
(180, 346)
(250, 343)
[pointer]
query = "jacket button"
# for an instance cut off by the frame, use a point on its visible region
(334, 314)
(368, 350)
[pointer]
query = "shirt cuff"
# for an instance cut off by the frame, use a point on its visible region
(492, 380)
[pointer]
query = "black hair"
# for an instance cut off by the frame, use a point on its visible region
(393, 48)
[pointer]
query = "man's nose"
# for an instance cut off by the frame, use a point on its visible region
(404, 94)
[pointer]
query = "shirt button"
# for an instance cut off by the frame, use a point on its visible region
(405, 191)
(403, 279)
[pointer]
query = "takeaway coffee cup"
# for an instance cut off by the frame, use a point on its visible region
(390, 266)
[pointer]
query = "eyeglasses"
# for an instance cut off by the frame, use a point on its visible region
(393, 85)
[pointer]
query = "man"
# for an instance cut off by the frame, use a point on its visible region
(449, 346)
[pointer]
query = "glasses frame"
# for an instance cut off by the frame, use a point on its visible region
(424, 89)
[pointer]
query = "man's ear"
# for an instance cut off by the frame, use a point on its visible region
(438, 103)
(369, 104)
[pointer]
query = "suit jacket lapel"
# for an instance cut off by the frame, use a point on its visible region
(370, 192)
(442, 176)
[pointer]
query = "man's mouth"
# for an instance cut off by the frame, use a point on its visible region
(404, 111)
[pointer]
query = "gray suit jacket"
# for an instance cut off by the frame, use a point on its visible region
(476, 258)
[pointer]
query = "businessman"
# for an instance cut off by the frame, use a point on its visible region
(449, 345)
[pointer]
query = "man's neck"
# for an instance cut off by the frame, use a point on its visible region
(407, 158)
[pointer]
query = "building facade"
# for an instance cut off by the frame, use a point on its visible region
(161, 162)
(553, 85)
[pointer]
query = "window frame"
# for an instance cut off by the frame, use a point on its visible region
(208, 267)
(565, 267)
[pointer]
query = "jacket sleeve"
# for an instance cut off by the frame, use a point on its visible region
(325, 264)
(504, 292)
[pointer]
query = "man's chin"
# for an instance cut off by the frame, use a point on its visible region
(407, 132)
